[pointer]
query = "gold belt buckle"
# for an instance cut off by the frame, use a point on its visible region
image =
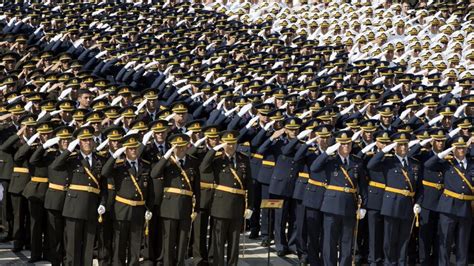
(439, 186)
(406, 193)
(182, 191)
(346, 189)
(90, 189)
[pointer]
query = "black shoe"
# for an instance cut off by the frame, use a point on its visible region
(33, 260)
(265, 243)
(253, 235)
(282, 253)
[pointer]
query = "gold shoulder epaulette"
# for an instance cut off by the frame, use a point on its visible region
(388, 155)
(448, 157)
(145, 161)
(219, 153)
(119, 161)
(73, 154)
(51, 149)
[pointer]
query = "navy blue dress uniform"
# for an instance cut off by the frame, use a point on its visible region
(19, 179)
(35, 191)
(375, 192)
(233, 191)
(346, 182)
(153, 152)
(54, 195)
(180, 200)
(282, 185)
(429, 195)
(133, 196)
(454, 205)
(312, 195)
(402, 178)
(86, 190)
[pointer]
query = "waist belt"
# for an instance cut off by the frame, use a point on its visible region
(130, 202)
(39, 179)
(316, 183)
(256, 155)
(85, 188)
(230, 190)
(268, 163)
(303, 175)
(205, 185)
(23, 170)
(458, 196)
(341, 189)
(376, 184)
(404, 192)
(178, 191)
(57, 187)
(110, 186)
(433, 185)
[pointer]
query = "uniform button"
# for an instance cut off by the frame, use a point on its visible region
(89, 184)
(462, 186)
(235, 184)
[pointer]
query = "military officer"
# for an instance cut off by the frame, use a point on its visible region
(133, 200)
(202, 250)
(153, 152)
(105, 231)
(232, 192)
(454, 205)
(179, 172)
(399, 205)
(54, 197)
(86, 196)
(344, 198)
(35, 189)
(20, 178)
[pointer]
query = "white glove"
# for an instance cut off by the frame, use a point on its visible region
(100, 54)
(413, 143)
(405, 113)
(454, 132)
(147, 137)
(65, 93)
(194, 96)
(356, 135)
(119, 152)
(116, 100)
(209, 100)
(218, 147)
(269, 125)
(304, 134)
(168, 118)
(199, 141)
(435, 120)
(169, 152)
(444, 153)
(132, 131)
(251, 122)
(244, 109)
(308, 142)
(148, 215)
(389, 147)
(460, 110)
(363, 109)
(72, 145)
(50, 142)
(231, 111)
(28, 106)
(361, 213)
(101, 209)
(347, 110)
(102, 145)
(248, 213)
(53, 113)
(421, 112)
(118, 120)
(456, 90)
(305, 114)
(183, 89)
(220, 104)
(416, 208)
(33, 139)
(140, 106)
(332, 149)
(368, 147)
(426, 141)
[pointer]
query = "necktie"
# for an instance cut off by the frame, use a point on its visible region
(344, 161)
(404, 163)
(181, 163)
(134, 168)
(89, 161)
(160, 149)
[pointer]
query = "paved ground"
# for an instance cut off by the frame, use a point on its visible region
(255, 255)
